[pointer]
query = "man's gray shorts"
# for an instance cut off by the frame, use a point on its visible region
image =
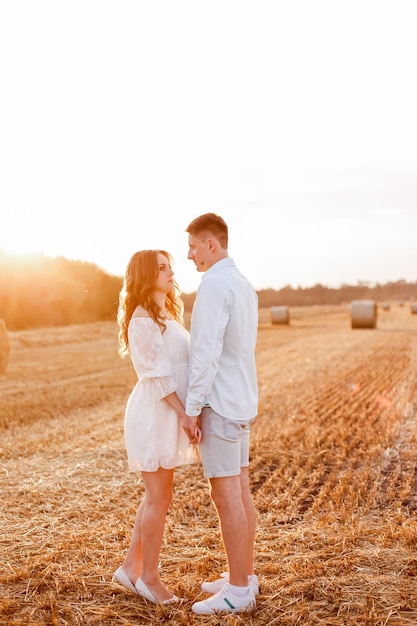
(224, 445)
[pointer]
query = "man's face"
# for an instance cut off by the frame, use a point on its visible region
(199, 252)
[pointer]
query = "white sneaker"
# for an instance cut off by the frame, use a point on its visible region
(225, 602)
(216, 585)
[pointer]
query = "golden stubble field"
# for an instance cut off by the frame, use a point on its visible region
(334, 478)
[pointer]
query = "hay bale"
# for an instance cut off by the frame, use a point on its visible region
(280, 315)
(4, 347)
(363, 314)
(413, 308)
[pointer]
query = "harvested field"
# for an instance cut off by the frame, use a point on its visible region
(334, 477)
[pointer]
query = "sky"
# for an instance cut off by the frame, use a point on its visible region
(121, 121)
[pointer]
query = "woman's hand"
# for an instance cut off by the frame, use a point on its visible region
(192, 428)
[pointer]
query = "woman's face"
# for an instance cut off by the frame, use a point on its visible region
(165, 281)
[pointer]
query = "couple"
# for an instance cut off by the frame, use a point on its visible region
(193, 390)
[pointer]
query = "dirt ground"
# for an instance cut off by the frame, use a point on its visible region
(333, 474)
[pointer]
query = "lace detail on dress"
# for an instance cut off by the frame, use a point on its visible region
(150, 358)
(153, 434)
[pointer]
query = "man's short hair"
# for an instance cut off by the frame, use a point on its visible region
(210, 224)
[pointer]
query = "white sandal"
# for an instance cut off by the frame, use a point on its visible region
(142, 590)
(121, 578)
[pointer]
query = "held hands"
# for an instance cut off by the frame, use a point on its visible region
(192, 428)
(191, 425)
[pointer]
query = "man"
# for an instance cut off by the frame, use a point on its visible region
(222, 399)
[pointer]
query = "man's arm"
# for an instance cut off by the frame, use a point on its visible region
(208, 323)
(190, 424)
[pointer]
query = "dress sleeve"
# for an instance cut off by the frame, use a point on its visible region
(150, 357)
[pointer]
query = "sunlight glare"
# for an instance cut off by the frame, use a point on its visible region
(21, 240)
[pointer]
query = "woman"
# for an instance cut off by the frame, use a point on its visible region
(151, 331)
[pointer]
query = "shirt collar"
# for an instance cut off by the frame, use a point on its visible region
(219, 265)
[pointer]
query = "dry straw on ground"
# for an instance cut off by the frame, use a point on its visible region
(4, 347)
(334, 479)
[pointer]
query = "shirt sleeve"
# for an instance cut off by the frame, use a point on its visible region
(209, 320)
(150, 357)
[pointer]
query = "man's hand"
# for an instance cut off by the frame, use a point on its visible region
(192, 428)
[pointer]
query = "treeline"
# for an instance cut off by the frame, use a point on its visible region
(41, 291)
(319, 294)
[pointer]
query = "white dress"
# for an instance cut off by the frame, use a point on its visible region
(153, 435)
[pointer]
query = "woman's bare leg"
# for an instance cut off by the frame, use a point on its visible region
(132, 564)
(142, 557)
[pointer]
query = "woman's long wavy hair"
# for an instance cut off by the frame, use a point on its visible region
(138, 290)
